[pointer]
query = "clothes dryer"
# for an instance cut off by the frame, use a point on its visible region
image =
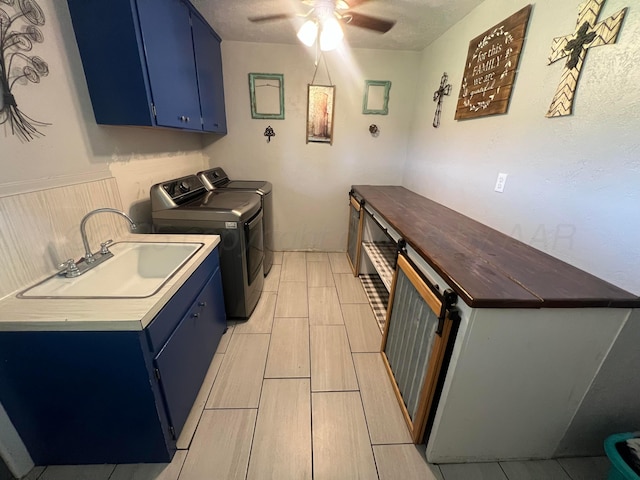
(184, 205)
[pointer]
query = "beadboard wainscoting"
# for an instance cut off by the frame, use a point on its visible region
(41, 229)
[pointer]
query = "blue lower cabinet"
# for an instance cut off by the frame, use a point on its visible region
(184, 360)
(107, 397)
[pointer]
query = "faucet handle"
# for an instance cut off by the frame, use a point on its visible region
(69, 268)
(104, 246)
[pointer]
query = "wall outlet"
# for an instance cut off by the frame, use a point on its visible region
(500, 182)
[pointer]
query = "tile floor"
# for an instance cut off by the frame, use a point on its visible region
(299, 391)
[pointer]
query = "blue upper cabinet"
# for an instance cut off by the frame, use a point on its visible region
(206, 46)
(150, 63)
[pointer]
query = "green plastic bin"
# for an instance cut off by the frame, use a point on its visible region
(619, 468)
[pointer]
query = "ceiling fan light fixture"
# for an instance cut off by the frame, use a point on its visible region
(308, 32)
(331, 35)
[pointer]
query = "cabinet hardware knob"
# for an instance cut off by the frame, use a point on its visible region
(202, 304)
(196, 315)
(187, 119)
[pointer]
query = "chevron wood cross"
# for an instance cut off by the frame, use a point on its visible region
(588, 34)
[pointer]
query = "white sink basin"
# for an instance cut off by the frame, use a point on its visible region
(136, 270)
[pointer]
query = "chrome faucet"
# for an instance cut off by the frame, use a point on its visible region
(88, 256)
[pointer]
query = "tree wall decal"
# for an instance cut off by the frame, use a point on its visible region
(17, 66)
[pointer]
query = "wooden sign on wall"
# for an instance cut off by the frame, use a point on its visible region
(491, 67)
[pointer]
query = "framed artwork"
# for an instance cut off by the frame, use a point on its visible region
(266, 91)
(320, 102)
(490, 70)
(376, 97)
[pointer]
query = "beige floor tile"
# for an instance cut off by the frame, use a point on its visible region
(319, 274)
(221, 446)
(272, 281)
(324, 307)
(292, 300)
(289, 349)
(294, 267)
(77, 472)
(362, 327)
(350, 289)
(34, 474)
(261, 319)
(151, 471)
(331, 363)
(339, 262)
(404, 462)
(239, 380)
(184, 440)
(381, 408)
(277, 258)
(317, 257)
(224, 341)
(282, 442)
(586, 468)
(289, 256)
(534, 470)
(341, 448)
(472, 471)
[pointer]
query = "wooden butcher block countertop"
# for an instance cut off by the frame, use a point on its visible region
(485, 267)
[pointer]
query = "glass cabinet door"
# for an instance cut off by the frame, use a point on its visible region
(354, 238)
(416, 335)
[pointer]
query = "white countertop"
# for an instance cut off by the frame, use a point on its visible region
(97, 314)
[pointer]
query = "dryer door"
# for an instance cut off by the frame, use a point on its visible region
(254, 247)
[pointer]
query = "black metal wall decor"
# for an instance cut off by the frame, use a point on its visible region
(268, 132)
(445, 89)
(17, 67)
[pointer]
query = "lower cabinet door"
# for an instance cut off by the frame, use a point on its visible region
(184, 360)
(416, 335)
(354, 238)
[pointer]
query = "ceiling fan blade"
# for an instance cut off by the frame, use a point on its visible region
(355, 3)
(370, 23)
(268, 18)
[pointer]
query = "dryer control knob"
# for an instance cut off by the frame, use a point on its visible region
(184, 187)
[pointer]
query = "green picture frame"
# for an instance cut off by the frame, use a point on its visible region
(266, 93)
(376, 97)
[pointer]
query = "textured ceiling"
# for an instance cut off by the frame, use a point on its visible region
(418, 22)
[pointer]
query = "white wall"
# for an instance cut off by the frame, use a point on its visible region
(75, 148)
(311, 182)
(573, 182)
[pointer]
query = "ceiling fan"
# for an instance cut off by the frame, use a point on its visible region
(325, 16)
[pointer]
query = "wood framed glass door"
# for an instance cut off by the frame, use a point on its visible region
(354, 237)
(417, 332)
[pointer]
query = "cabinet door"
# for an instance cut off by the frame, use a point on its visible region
(184, 360)
(414, 345)
(206, 46)
(113, 60)
(354, 236)
(166, 32)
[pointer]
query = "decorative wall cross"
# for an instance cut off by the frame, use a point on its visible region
(588, 34)
(445, 89)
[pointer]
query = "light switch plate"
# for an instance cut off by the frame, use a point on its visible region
(500, 182)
